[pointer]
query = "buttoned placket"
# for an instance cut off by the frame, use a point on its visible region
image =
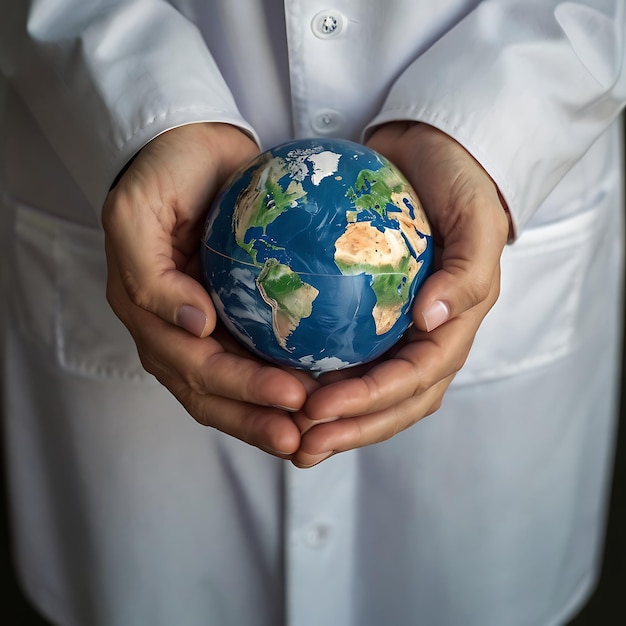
(320, 501)
(314, 38)
(319, 541)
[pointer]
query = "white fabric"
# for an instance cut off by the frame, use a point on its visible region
(491, 511)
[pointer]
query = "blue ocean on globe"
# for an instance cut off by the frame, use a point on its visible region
(313, 253)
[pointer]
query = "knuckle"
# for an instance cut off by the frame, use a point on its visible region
(435, 406)
(155, 366)
(253, 378)
(108, 210)
(458, 364)
(202, 412)
(197, 384)
(421, 386)
(481, 288)
(373, 389)
(396, 426)
(196, 381)
(198, 374)
(423, 379)
(137, 291)
(112, 298)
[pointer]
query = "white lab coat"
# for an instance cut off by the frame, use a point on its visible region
(489, 513)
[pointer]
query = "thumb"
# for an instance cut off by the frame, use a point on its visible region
(170, 294)
(468, 273)
(150, 266)
(451, 291)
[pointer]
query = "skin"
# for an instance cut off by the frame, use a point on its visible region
(161, 201)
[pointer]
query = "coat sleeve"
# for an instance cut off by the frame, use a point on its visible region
(104, 77)
(525, 85)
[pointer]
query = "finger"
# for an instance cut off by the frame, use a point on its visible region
(329, 438)
(204, 367)
(469, 272)
(418, 366)
(230, 344)
(270, 429)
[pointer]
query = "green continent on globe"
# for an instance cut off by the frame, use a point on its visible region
(372, 189)
(290, 299)
(263, 200)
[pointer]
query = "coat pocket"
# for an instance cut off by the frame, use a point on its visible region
(59, 293)
(534, 321)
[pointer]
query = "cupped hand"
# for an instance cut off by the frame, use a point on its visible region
(153, 222)
(369, 404)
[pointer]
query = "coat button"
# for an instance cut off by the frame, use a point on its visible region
(317, 535)
(327, 24)
(327, 122)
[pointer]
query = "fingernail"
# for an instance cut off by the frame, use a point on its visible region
(274, 452)
(191, 319)
(311, 423)
(316, 459)
(435, 315)
(282, 407)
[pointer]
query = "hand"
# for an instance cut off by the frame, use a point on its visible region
(153, 221)
(369, 404)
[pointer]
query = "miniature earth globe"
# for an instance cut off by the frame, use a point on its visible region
(313, 253)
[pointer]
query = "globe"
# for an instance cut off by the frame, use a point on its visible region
(313, 253)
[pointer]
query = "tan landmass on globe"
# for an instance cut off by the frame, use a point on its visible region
(362, 248)
(385, 317)
(363, 244)
(411, 226)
